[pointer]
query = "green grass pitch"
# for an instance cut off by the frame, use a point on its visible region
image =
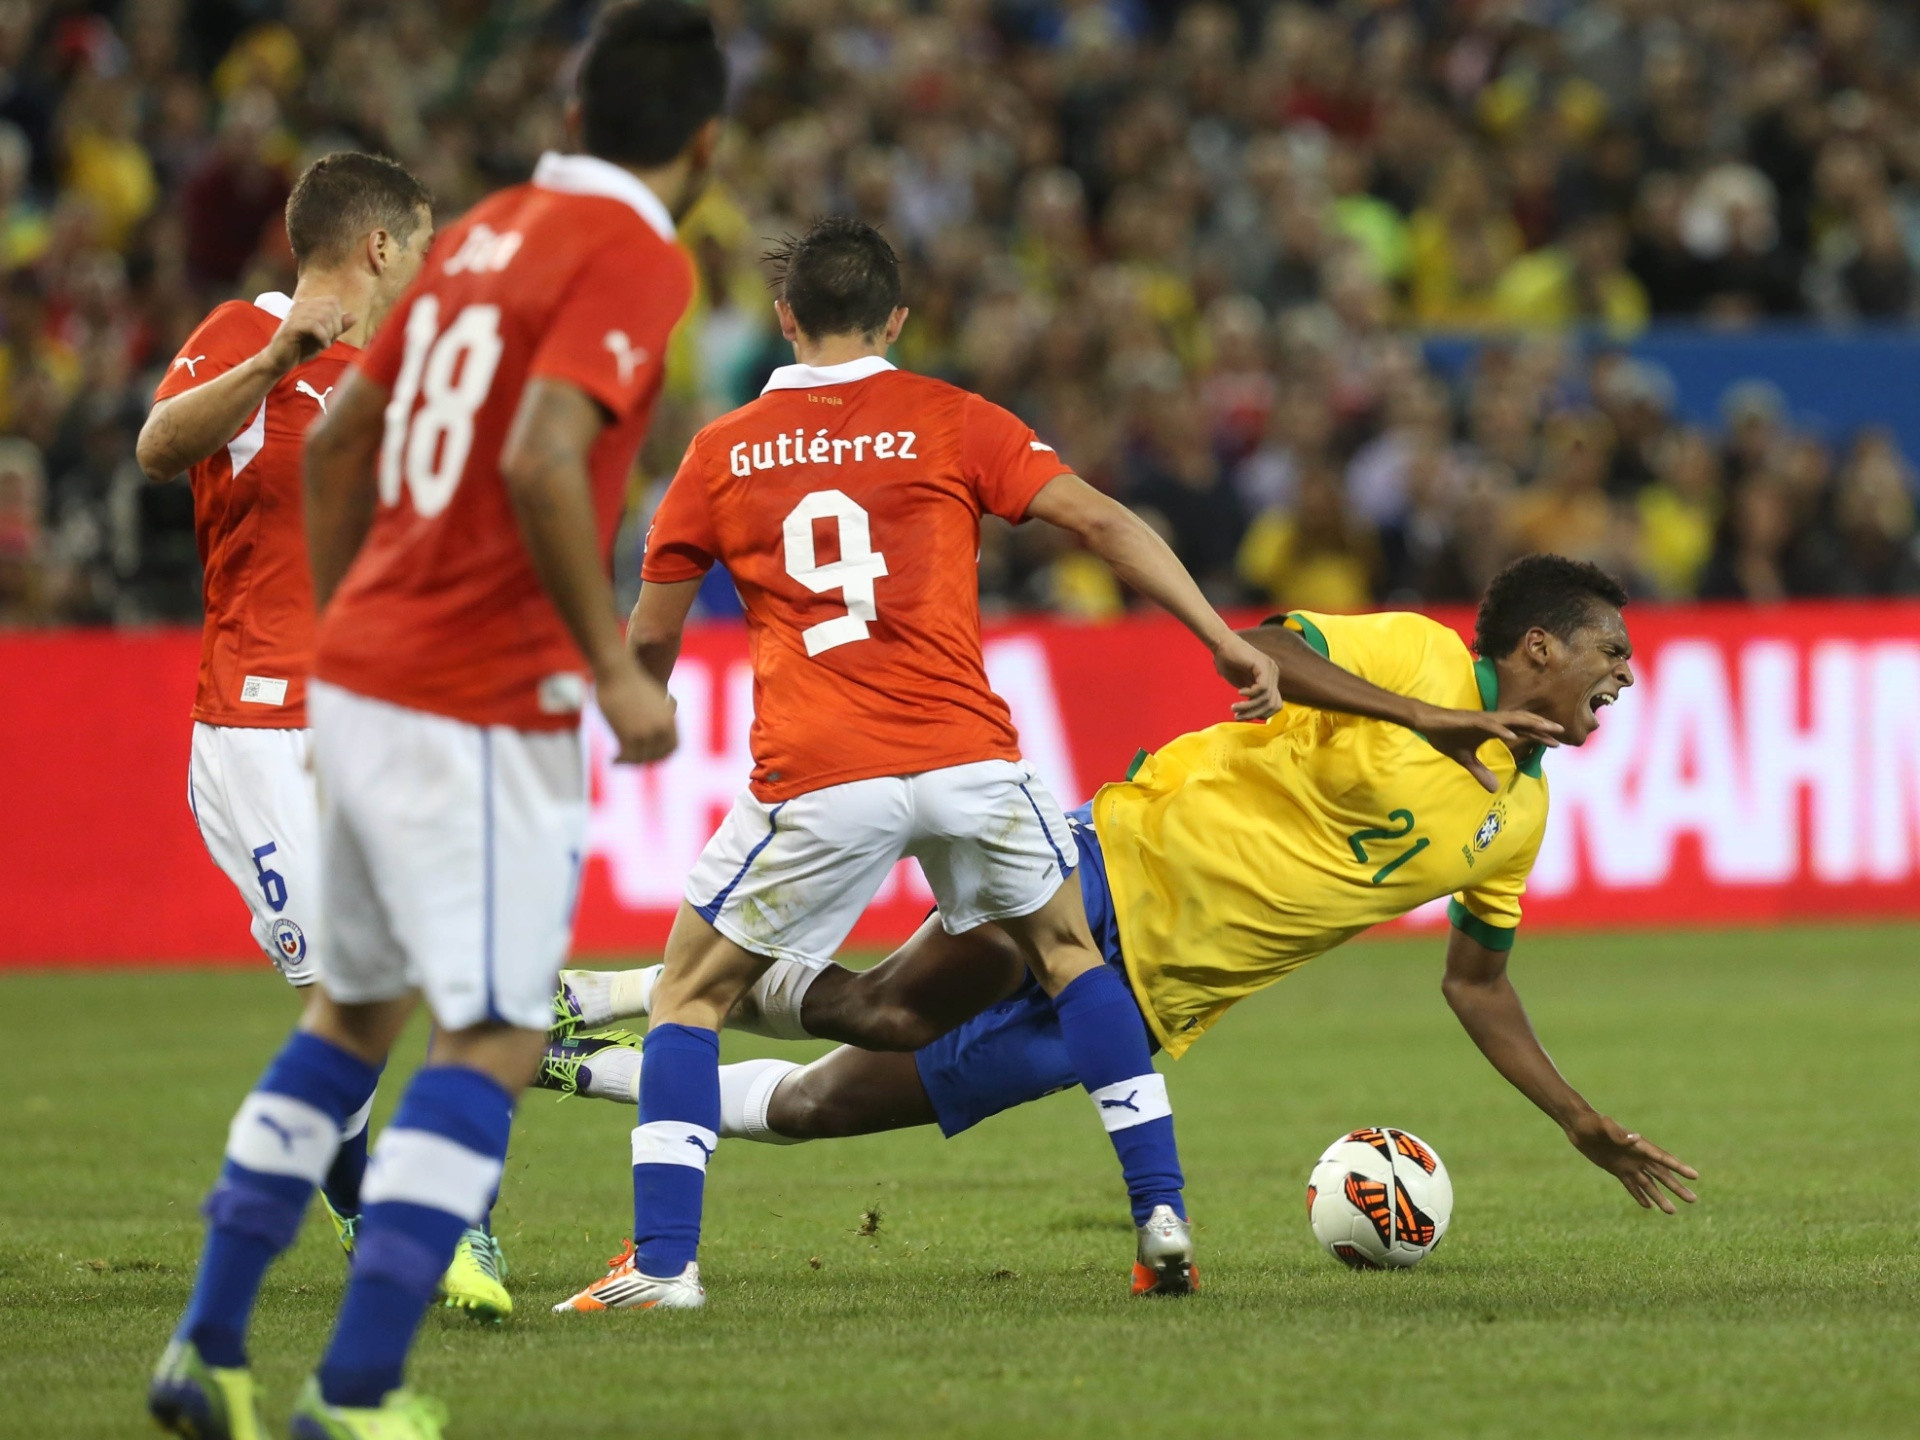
(990, 1298)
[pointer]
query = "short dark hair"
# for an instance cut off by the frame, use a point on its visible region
(1551, 591)
(346, 195)
(840, 278)
(652, 75)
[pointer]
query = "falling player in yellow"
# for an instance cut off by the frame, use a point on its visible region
(1403, 769)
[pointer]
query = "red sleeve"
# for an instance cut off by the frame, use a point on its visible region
(232, 334)
(680, 543)
(1004, 461)
(609, 334)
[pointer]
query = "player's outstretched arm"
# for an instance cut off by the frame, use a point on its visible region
(544, 467)
(1486, 1004)
(185, 429)
(1309, 678)
(337, 468)
(1143, 560)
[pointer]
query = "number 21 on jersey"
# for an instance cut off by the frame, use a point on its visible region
(448, 373)
(852, 574)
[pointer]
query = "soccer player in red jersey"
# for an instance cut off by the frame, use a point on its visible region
(845, 503)
(461, 498)
(232, 412)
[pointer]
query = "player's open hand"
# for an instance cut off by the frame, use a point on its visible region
(639, 711)
(310, 327)
(1254, 674)
(1647, 1171)
(1459, 734)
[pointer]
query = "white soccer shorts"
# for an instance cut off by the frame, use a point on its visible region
(450, 856)
(251, 791)
(789, 880)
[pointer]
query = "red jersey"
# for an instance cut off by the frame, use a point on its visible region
(256, 644)
(845, 502)
(574, 277)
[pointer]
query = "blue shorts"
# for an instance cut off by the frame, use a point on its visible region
(1012, 1052)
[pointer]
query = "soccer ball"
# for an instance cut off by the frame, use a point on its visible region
(1379, 1198)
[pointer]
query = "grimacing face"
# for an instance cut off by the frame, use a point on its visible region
(1586, 672)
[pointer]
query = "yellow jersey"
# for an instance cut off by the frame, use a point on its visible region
(1240, 852)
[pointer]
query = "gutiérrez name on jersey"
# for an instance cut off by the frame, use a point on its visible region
(796, 449)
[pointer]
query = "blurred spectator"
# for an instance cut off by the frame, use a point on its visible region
(1749, 558)
(23, 585)
(1566, 510)
(1680, 514)
(1315, 556)
(1461, 243)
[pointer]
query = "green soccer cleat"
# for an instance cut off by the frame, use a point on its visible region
(567, 1065)
(403, 1415)
(344, 1226)
(473, 1281)
(190, 1398)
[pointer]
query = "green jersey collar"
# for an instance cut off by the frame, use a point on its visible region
(1489, 683)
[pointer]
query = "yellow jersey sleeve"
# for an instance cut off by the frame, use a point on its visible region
(1489, 909)
(1396, 650)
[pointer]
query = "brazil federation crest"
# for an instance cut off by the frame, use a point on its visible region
(1490, 827)
(288, 942)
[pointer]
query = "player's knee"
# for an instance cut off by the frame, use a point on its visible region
(804, 1108)
(884, 1018)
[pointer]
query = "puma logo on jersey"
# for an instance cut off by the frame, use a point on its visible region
(319, 396)
(189, 361)
(1040, 445)
(624, 355)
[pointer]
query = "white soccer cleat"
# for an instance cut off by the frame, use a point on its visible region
(623, 1287)
(1165, 1262)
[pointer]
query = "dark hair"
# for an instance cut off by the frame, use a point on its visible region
(1551, 591)
(347, 195)
(840, 278)
(652, 75)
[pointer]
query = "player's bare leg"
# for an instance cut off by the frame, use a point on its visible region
(932, 984)
(849, 1092)
(928, 986)
(1107, 1040)
(704, 975)
(925, 988)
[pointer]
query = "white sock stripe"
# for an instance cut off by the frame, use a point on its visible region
(357, 1121)
(1132, 1102)
(759, 1097)
(278, 1135)
(673, 1142)
(779, 995)
(418, 1167)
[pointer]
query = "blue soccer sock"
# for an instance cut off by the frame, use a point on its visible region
(1107, 1042)
(678, 1130)
(433, 1171)
(280, 1145)
(342, 1185)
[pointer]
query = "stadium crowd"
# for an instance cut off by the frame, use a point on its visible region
(1195, 245)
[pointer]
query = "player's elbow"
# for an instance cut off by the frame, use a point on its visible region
(1103, 527)
(1466, 993)
(154, 456)
(530, 475)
